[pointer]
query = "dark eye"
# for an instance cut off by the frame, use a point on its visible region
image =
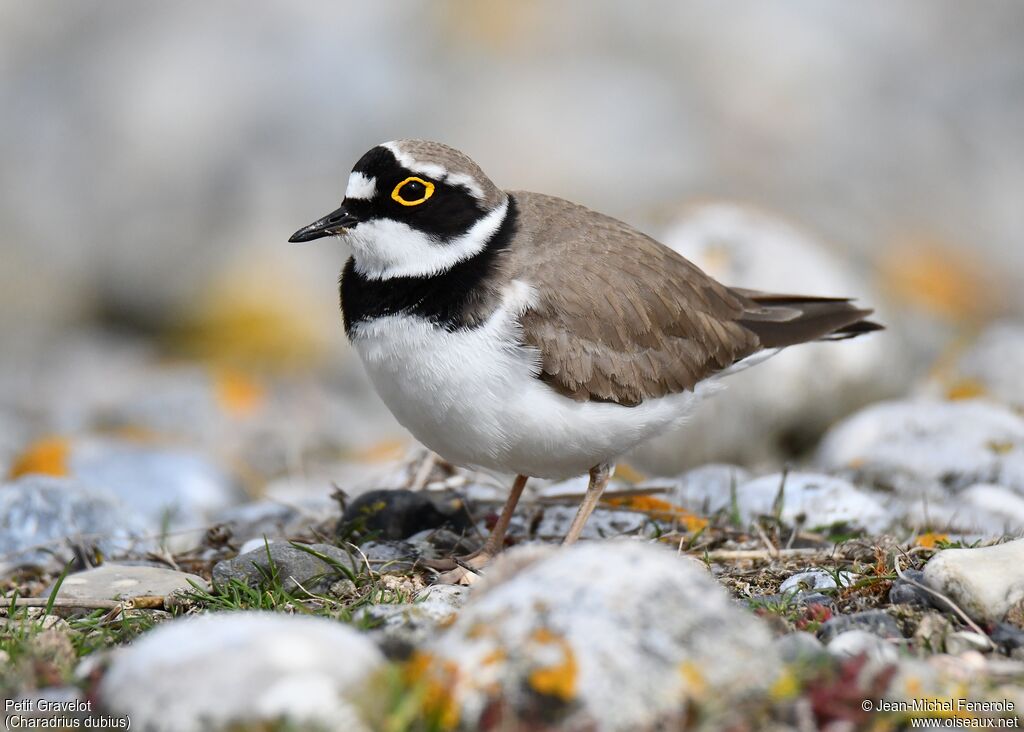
(412, 191)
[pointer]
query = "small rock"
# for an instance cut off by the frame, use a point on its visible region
(816, 580)
(216, 672)
(604, 523)
(812, 500)
(390, 555)
(708, 489)
(565, 638)
(986, 582)
(292, 565)
(121, 581)
(931, 632)
(850, 643)
(398, 514)
(800, 647)
(272, 519)
(437, 543)
(1008, 638)
(1002, 508)
(904, 593)
(910, 446)
(254, 545)
(39, 514)
(965, 640)
(876, 622)
(991, 367)
(400, 628)
(169, 486)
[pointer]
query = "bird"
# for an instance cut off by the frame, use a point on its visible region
(521, 333)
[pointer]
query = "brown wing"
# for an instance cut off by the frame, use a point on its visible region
(623, 318)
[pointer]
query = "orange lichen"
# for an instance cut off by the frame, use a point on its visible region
(965, 389)
(238, 394)
(558, 680)
(660, 510)
(936, 277)
(48, 456)
(695, 682)
(498, 655)
(931, 539)
(434, 681)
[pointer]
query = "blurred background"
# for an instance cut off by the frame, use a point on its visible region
(157, 157)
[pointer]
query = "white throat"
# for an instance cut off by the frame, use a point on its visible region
(384, 248)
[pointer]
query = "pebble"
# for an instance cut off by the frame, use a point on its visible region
(1009, 638)
(800, 648)
(401, 628)
(816, 580)
(398, 514)
(39, 514)
(121, 581)
(875, 622)
(991, 367)
(708, 489)
(986, 582)
(931, 632)
(965, 640)
(273, 519)
(851, 643)
(904, 593)
(604, 523)
(215, 672)
(293, 566)
(563, 637)
(915, 445)
(390, 555)
(811, 500)
(170, 487)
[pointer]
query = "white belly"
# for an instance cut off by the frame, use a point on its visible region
(474, 398)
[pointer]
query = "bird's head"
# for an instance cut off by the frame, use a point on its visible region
(413, 208)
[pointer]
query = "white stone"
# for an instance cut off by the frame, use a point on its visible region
(705, 490)
(983, 510)
(798, 392)
(920, 445)
(214, 671)
(180, 487)
(39, 513)
(816, 580)
(119, 581)
(992, 366)
(984, 581)
(606, 635)
(812, 500)
(852, 643)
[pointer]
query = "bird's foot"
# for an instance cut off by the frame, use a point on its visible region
(465, 570)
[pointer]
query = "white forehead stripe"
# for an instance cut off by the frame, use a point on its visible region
(435, 171)
(360, 186)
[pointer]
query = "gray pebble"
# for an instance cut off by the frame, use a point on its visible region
(293, 566)
(904, 593)
(876, 622)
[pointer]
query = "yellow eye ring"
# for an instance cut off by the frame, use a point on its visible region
(396, 195)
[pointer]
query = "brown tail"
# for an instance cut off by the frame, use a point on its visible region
(785, 320)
